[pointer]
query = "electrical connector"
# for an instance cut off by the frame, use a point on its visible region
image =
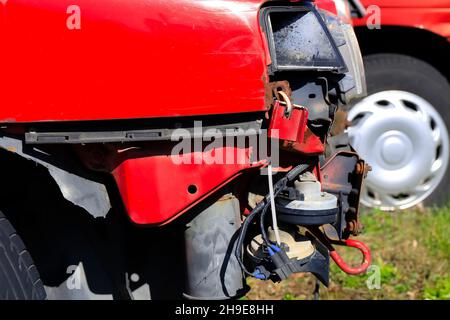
(261, 273)
(281, 262)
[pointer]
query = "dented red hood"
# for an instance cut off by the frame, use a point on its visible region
(129, 59)
(110, 59)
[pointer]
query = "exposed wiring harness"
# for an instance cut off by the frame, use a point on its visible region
(261, 210)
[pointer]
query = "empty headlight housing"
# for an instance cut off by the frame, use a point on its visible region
(353, 85)
(300, 40)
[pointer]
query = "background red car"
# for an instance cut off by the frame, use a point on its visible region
(401, 127)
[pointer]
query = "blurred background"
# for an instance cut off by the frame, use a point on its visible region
(401, 130)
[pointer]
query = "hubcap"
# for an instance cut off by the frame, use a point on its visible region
(405, 141)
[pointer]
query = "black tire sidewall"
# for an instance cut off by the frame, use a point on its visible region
(19, 278)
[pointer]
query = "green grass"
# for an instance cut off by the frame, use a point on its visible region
(440, 290)
(410, 251)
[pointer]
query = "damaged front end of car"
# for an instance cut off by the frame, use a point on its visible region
(244, 179)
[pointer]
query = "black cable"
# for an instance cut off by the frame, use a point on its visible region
(262, 207)
(262, 226)
(317, 290)
(244, 227)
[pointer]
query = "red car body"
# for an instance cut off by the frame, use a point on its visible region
(124, 63)
(431, 15)
(91, 95)
(112, 70)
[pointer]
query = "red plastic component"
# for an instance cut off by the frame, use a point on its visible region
(431, 15)
(367, 258)
(156, 189)
(310, 145)
(291, 127)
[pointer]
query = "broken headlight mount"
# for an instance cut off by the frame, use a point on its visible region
(299, 40)
(353, 84)
(318, 54)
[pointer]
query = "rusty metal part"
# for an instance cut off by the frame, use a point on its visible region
(352, 226)
(343, 176)
(340, 122)
(367, 169)
(272, 91)
(359, 169)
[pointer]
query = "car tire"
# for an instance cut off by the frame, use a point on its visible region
(388, 72)
(19, 278)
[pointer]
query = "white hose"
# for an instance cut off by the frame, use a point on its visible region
(272, 206)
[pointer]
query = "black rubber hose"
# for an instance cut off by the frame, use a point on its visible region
(244, 227)
(298, 170)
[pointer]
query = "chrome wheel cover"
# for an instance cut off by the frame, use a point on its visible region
(405, 141)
